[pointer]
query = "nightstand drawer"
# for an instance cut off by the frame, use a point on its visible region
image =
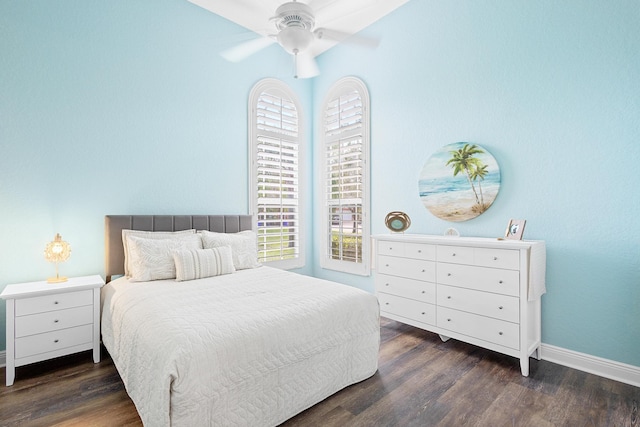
(51, 341)
(60, 301)
(53, 320)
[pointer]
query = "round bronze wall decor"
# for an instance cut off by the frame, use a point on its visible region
(397, 221)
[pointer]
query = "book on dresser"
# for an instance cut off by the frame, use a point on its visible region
(482, 291)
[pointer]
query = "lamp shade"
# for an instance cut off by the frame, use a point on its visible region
(295, 39)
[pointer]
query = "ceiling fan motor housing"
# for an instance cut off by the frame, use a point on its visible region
(294, 14)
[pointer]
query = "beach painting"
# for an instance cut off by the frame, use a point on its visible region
(459, 182)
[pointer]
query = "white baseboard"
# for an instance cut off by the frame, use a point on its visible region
(617, 371)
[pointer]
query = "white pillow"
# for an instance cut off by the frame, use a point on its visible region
(200, 263)
(244, 246)
(152, 259)
(149, 235)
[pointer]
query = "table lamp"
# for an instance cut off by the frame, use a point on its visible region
(57, 251)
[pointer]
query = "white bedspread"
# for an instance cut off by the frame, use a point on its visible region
(251, 348)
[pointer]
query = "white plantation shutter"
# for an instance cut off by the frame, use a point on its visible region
(274, 145)
(345, 122)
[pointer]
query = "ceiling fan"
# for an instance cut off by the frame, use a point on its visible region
(296, 32)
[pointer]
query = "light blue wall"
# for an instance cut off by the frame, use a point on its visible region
(552, 90)
(131, 104)
(117, 107)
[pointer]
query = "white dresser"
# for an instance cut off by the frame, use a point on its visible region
(472, 289)
(47, 320)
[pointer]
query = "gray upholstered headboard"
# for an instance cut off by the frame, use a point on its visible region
(114, 224)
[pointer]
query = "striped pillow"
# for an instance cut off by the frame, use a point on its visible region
(200, 263)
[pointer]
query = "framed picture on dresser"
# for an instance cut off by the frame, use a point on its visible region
(515, 229)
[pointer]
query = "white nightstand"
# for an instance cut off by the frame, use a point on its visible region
(47, 320)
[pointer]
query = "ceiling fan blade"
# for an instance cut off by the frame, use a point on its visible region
(306, 66)
(343, 37)
(246, 49)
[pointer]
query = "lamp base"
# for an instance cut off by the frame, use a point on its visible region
(56, 279)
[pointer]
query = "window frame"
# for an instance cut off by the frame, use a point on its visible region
(280, 89)
(343, 87)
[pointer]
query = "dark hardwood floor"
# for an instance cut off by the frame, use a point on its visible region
(421, 381)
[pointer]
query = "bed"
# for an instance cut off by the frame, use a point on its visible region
(251, 347)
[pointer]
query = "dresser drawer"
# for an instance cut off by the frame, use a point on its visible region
(406, 267)
(497, 258)
(407, 250)
(408, 288)
(505, 282)
(499, 332)
(386, 247)
(408, 308)
(482, 257)
(46, 303)
(53, 320)
(420, 251)
(501, 307)
(50, 341)
(455, 254)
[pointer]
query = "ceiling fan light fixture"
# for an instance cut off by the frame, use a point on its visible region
(295, 40)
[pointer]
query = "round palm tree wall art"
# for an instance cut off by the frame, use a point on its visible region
(459, 182)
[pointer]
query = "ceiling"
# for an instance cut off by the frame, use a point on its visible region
(345, 17)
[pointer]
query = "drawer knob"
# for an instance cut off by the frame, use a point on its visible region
(419, 251)
(56, 341)
(501, 282)
(386, 265)
(448, 274)
(424, 292)
(391, 249)
(449, 297)
(499, 333)
(453, 254)
(386, 284)
(448, 320)
(423, 270)
(495, 258)
(386, 303)
(56, 321)
(55, 302)
(423, 313)
(500, 308)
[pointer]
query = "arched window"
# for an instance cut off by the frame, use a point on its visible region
(275, 147)
(345, 177)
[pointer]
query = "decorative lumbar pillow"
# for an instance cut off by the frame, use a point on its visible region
(149, 235)
(244, 246)
(152, 259)
(201, 263)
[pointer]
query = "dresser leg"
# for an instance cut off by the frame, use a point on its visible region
(11, 343)
(444, 338)
(11, 374)
(524, 366)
